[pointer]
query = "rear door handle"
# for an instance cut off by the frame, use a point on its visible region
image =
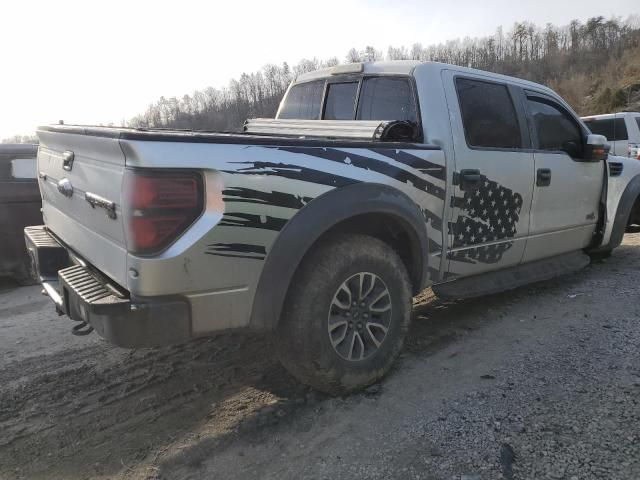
(469, 179)
(543, 177)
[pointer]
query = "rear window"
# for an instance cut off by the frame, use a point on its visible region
(638, 121)
(488, 115)
(303, 101)
(386, 98)
(22, 168)
(341, 99)
(612, 128)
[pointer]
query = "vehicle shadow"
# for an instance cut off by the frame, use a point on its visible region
(7, 284)
(105, 411)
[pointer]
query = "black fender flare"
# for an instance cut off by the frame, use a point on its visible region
(317, 217)
(625, 206)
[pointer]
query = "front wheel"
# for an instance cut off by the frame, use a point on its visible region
(346, 314)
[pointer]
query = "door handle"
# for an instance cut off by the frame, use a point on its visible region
(543, 177)
(469, 179)
(67, 160)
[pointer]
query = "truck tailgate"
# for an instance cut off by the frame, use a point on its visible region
(95, 171)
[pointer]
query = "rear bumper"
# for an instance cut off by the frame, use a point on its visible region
(84, 295)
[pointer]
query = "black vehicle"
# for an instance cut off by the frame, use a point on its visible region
(20, 205)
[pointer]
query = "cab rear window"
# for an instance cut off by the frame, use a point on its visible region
(303, 101)
(366, 98)
(341, 101)
(386, 98)
(23, 168)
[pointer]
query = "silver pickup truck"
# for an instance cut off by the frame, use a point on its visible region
(375, 181)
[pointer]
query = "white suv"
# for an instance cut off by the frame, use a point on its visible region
(621, 129)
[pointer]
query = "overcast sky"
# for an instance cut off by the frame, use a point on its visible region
(99, 62)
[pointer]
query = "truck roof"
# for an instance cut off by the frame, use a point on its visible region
(611, 115)
(409, 67)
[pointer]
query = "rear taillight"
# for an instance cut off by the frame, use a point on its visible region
(160, 206)
(634, 150)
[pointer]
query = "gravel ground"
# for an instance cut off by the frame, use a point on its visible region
(542, 382)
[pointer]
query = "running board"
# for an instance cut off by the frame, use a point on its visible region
(513, 277)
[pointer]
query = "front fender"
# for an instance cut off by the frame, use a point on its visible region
(316, 218)
(623, 211)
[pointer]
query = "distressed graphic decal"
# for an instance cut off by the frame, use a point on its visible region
(238, 219)
(435, 221)
(293, 172)
(420, 164)
(488, 214)
(271, 198)
(237, 250)
(371, 164)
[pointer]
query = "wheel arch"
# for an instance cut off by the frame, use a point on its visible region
(351, 209)
(629, 199)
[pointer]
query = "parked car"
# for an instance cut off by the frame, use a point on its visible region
(19, 207)
(621, 129)
(375, 181)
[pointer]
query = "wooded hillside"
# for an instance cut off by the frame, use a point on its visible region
(595, 66)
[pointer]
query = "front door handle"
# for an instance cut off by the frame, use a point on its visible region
(469, 180)
(543, 177)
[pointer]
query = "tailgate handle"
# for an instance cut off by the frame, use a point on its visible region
(97, 201)
(67, 160)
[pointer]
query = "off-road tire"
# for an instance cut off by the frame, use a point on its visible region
(303, 342)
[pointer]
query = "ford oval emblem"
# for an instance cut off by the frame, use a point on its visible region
(65, 187)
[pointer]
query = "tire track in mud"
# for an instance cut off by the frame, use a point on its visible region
(74, 403)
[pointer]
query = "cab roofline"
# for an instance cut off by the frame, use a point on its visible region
(411, 67)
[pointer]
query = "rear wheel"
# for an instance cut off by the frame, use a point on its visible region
(346, 314)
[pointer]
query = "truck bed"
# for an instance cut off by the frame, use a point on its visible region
(361, 135)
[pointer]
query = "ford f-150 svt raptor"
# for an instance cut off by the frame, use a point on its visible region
(374, 181)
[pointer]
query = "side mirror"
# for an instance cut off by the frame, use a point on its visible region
(596, 148)
(571, 148)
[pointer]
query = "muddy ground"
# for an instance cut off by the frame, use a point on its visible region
(541, 382)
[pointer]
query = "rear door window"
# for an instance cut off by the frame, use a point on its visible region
(341, 101)
(386, 98)
(303, 101)
(488, 115)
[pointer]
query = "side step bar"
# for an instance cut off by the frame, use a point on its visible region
(47, 254)
(514, 277)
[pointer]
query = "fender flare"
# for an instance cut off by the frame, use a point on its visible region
(315, 219)
(625, 206)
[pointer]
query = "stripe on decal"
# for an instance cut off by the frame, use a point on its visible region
(293, 172)
(424, 166)
(237, 250)
(271, 198)
(371, 164)
(239, 219)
